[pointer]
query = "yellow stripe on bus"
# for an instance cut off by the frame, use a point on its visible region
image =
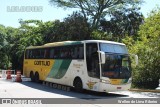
(42, 66)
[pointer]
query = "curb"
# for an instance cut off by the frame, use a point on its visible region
(143, 90)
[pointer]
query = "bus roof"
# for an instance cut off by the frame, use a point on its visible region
(103, 41)
(73, 43)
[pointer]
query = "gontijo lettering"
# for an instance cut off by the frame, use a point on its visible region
(43, 63)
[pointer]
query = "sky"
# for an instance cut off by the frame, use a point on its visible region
(10, 12)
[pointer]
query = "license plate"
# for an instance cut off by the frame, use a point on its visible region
(119, 88)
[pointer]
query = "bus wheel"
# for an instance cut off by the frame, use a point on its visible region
(32, 76)
(36, 76)
(78, 85)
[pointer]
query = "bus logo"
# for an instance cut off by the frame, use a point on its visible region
(91, 84)
(43, 63)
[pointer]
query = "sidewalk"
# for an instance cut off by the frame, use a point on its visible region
(145, 90)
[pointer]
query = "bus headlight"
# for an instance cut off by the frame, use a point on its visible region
(105, 81)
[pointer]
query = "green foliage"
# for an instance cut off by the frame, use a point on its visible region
(76, 27)
(2, 36)
(97, 9)
(96, 34)
(147, 46)
(28, 34)
(4, 49)
(100, 35)
(122, 23)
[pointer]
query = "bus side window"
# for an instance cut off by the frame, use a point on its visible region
(61, 52)
(42, 53)
(81, 52)
(37, 53)
(27, 54)
(46, 53)
(73, 55)
(30, 54)
(77, 52)
(67, 52)
(57, 53)
(51, 53)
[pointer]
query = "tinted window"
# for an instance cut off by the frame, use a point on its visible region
(61, 52)
(92, 60)
(113, 48)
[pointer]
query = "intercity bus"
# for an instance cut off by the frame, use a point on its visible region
(96, 65)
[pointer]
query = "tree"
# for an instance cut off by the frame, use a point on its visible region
(27, 35)
(3, 43)
(147, 47)
(97, 9)
(122, 23)
(52, 31)
(73, 27)
(6, 43)
(76, 27)
(2, 36)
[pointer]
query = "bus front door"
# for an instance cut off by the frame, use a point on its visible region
(93, 69)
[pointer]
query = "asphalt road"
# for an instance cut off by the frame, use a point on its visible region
(9, 89)
(36, 90)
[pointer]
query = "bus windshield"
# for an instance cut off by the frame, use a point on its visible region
(113, 48)
(117, 65)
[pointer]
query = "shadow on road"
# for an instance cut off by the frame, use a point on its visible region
(85, 95)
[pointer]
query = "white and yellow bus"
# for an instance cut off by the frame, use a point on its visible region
(96, 65)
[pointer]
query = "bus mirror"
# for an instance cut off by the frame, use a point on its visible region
(103, 58)
(136, 59)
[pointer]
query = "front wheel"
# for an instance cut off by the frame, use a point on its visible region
(36, 76)
(78, 85)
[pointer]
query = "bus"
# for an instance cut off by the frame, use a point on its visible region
(96, 65)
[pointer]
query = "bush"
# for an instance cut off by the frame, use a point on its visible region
(147, 47)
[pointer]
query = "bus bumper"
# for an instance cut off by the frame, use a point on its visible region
(112, 88)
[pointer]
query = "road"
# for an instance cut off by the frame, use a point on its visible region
(9, 89)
